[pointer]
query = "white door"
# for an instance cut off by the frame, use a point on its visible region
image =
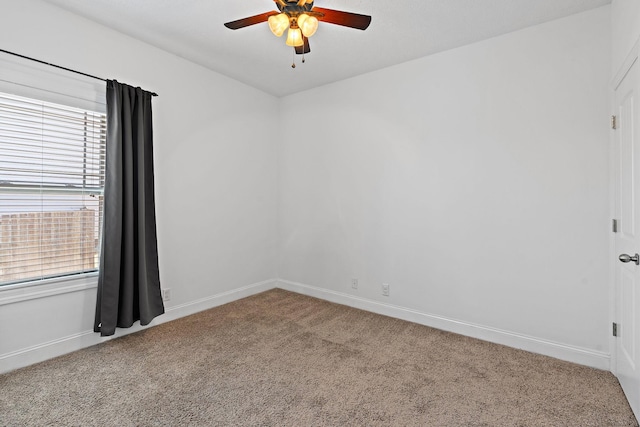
(627, 239)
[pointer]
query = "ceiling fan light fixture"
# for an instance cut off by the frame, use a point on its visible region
(294, 37)
(278, 24)
(308, 24)
(301, 18)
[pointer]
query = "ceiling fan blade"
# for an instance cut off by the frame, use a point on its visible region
(301, 50)
(346, 19)
(252, 20)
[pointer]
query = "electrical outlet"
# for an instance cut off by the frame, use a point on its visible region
(354, 283)
(385, 289)
(166, 294)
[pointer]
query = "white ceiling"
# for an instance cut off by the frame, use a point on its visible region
(400, 31)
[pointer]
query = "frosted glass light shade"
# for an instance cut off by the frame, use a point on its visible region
(294, 37)
(278, 24)
(308, 24)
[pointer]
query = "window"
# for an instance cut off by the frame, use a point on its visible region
(51, 189)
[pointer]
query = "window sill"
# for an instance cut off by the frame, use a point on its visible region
(11, 294)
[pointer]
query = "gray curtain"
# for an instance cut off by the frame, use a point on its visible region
(129, 279)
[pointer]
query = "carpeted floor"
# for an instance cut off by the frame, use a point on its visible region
(283, 359)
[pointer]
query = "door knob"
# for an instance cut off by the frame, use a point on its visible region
(627, 258)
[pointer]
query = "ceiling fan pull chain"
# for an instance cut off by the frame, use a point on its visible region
(293, 58)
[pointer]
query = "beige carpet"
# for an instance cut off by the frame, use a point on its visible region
(282, 359)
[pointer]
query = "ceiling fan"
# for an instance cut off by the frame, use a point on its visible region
(301, 18)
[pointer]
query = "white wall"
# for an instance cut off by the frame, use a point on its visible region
(474, 182)
(215, 180)
(625, 17)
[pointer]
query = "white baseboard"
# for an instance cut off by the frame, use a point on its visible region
(48, 350)
(565, 352)
(51, 349)
(206, 303)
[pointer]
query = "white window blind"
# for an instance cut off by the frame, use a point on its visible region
(51, 189)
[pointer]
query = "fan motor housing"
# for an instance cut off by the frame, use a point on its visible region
(292, 8)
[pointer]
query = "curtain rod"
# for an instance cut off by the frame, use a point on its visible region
(60, 67)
